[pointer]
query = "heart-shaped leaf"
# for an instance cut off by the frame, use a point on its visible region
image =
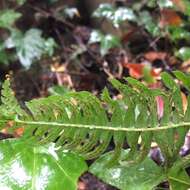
(143, 176)
(24, 167)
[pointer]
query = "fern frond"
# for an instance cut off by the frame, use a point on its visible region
(81, 122)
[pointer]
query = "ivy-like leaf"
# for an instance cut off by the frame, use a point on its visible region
(143, 176)
(8, 17)
(150, 25)
(24, 167)
(115, 15)
(106, 41)
(30, 46)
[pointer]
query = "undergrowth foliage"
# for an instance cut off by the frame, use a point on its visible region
(85, 124)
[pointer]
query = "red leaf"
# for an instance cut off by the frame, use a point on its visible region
(169, 17)
(153, 55)
(137, 70)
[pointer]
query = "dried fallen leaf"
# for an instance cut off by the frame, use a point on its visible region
(58, 68)
(19, 132)
(185, 66)
(169, 17)
(137, 70)
(153, 55)
(184, 101)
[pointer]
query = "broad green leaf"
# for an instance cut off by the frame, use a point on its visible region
(115, 15)
(165, 3)
(183, 53)
(30, 46)
(95, 36)
(24, 167)
(177, 33)
(107, 42)
(143, 176)
(104, 10)
(122, 14)
(184, 78)
(146, 19)
(178, 178)
(8, 17)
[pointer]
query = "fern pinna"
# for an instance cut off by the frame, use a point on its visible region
(81, 122)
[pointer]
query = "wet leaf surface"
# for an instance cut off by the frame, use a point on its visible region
(143, 176)
(24, 167)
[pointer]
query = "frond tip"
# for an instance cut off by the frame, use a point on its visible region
(81, 122)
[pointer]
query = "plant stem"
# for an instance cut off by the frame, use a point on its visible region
(106, 128)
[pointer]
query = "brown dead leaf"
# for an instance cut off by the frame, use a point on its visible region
(19, 132)
(184, 101)
(58, 68)
(153, 55)
(169, 17)
(185, 66)
(137, 70)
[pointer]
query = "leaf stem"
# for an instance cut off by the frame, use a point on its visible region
(101, 127)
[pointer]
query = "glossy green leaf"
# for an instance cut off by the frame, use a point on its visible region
(183, 53)
(122, 14)
(115, 15)
(95, 37)
(165, 3)
(30, 46)
(8, 17)
(24, 167)
(178, 33)
(106, 41)
(184, 78)
(104, 10)
(109, 41)
(143, 176)
(150, 25)
(178, 178)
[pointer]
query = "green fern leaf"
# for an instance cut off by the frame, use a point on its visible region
(81, 122)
